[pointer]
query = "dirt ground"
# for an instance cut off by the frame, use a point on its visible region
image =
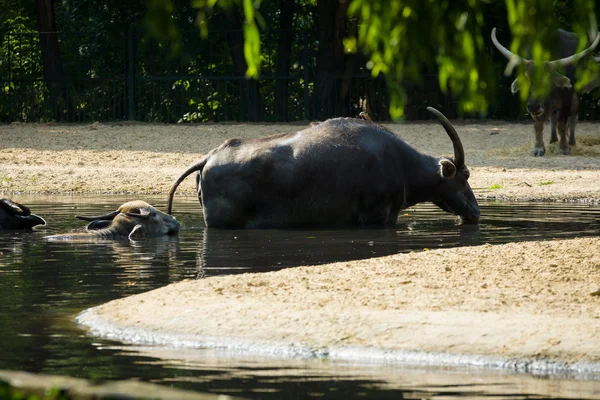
(529, 301)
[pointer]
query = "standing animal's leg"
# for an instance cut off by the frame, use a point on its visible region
(573, 117)
(538, 149)
(563, 117)
(572, 124)
(553, 118)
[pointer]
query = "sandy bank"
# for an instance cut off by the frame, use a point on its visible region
(527, 306)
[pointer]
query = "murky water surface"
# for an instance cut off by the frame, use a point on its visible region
(44, 284)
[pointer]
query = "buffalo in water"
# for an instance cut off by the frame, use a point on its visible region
(16, 216)
(343, 172)
(561, 105)
(134, 219)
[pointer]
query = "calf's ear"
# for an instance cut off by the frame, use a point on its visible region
(447, 168)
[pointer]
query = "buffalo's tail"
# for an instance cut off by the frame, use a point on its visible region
(198, 166)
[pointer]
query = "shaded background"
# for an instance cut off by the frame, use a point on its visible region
(146, 60)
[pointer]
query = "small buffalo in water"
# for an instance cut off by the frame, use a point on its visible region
(16, 216)
(342, 172)
(132, 220)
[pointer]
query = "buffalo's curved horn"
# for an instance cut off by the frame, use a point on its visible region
(506, 52)
(106, 217)
(15, 208)
(571, 59)
(191, 169)
(459, 153)
(138, 215)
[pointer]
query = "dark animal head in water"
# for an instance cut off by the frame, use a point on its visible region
(16, 216)
(133, 219)
(342, 172)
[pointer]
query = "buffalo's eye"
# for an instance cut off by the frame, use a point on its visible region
(467, 174)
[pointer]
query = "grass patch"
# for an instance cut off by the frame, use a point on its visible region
(588, 141)
(495, 186)
(546, 183)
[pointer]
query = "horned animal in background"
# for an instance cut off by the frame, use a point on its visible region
(561, 104)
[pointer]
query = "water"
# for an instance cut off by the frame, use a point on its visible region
(44, 284)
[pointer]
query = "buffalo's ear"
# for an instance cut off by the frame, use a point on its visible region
(137, 232)
(561, 80)
(447, 168)
(514, 87)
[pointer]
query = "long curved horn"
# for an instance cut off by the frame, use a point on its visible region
(192, 168)
(459, 153)
(571, 59)
(506, 52)
(15, 208)
(106, 217)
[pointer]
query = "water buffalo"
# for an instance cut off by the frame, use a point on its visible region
(16, 216)
(562, 102)
(343, 172)
(133, 219)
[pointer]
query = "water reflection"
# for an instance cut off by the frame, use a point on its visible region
(271, 378)
(44, 284)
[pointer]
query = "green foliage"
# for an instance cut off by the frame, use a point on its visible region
(161, 24)
(404, 37)
(7, 392)
(252, 40)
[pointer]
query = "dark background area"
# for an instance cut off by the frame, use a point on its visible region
(83, 61)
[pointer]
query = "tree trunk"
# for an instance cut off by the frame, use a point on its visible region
(249, 88)
(52, 64)
(331, 97)
(284, 49)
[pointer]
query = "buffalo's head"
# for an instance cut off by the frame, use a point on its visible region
(454, 194)
(16, 216)
(134, 219)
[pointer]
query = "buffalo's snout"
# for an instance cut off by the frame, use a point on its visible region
(534, 108)
(472, 217)
(173, 226)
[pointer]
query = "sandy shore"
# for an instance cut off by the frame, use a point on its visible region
(523, 306)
